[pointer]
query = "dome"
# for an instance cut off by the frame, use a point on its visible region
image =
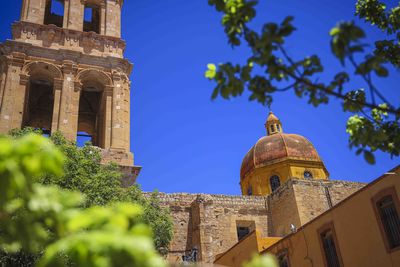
(275, 148)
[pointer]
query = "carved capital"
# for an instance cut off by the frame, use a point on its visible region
(23, 79)
(69, 67)
(77, 86)
(58, 84)
(18, 59)
(108, 90)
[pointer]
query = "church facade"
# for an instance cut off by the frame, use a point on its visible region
(64, 70)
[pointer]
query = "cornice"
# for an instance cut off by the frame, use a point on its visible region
(70, 59)
(102, 2)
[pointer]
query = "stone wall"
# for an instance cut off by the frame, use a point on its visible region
(314, 197)
(283, 209)
(209, 222)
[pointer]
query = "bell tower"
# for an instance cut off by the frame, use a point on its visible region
(64, 70)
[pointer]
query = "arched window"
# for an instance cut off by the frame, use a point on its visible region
(274, 182)
(308, 175)
(39, 101)
(272, 128)
(91, 116)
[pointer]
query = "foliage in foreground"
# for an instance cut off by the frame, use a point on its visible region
(46, 220)
(101, 185)
(262, 261)
(37, 218)
(270, 69)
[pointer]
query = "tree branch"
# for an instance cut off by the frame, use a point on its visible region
(322, 88)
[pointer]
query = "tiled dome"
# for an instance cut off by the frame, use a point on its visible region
(275, 148)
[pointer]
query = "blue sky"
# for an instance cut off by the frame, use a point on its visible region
(188, 143)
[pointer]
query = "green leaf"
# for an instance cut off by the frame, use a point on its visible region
(369, 157)
(211, 71)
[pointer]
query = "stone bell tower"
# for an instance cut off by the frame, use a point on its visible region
(64, 70)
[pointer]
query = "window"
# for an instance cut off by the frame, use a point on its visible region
(390, 221)
(244, 228)
(250, 191)
(274, 182)
(308, 175)
(272, 128)
(283, 258)
(91, 19)
(54, 13)
(278, 128)
(242, 232)
(330, 247)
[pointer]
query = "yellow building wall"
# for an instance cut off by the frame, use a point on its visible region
(359, 237)
(259, 179)
(251, 245)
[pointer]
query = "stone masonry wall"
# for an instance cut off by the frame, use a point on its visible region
(283, 209)
(209, 222)
(314, 197)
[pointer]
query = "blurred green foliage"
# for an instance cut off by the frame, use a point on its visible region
(101, 184)
(262, 261)
(37, 218)
(270, 69)
(46, 225)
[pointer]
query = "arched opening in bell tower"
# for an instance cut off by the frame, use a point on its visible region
(91, 116)
(39, 103)
(54, 13)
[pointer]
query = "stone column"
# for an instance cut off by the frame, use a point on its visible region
(3, 77)
(113, 19)
(13, 95)
(57, 87)
(76, 15)
(103, 15)
(118, 110)
(108, 94)
(33, 11)
(66, 13)
(69, 102)
(23, 10)
(19, 95)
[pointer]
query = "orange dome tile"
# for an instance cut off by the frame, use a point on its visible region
(278, 147)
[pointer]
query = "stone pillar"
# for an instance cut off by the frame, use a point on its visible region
(103, 15)
(67, 13)
(76, 11)
(13, 99)
(33, 11)
(57, 87)
(108, 94)
(118, 124)
(201, 238)
(3, 77)
(69, 102)
(113, 19)
(23, 10)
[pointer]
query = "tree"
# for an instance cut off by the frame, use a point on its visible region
(101, 185)
(36, 217)
(270, 69)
